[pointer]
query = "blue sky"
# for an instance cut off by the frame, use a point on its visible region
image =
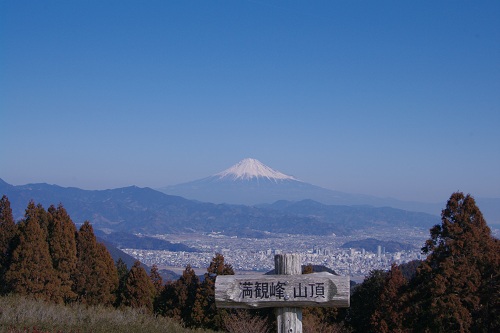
(389, 98)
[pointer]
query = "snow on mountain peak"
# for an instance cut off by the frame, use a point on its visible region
(251, 168)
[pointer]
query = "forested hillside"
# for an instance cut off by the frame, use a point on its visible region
(456, 289)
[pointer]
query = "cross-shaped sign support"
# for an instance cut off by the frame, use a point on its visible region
(287, 291)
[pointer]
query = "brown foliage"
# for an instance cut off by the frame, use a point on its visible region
(62, 247)
(30, 272)
(156, 280)
(243, 321)
(205, 314)
(365, 300)
(8, 231)
(388, 316)
(96, 278)
(315, 324)
(456, 287)
(139, 290)
(177, 298)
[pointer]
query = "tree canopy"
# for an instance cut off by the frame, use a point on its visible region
(455, 289)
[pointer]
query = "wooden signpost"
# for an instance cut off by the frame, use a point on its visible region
(287, 291)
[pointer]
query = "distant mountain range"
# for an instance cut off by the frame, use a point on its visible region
(250, 182)
(293, 207)
(349, 218)
(144, 210)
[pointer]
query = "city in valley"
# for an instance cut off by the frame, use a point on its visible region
(251, 254)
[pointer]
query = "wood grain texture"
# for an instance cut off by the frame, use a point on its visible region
(256, 291)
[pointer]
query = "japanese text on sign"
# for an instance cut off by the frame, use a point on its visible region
(281, 290)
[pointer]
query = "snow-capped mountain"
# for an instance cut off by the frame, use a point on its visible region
(250, 168)
(248, 182)
(251, 182)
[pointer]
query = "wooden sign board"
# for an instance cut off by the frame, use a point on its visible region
(262, 291)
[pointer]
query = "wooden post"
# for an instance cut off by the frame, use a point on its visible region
(287, 291)
(289, 320)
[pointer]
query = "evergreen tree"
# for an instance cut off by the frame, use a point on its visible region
(365, 300)
(139, 290)
(167, 304)
(388, 316)
(177, 298)
(186, 290)
(205, 314)
(43, 220)
(456, 287)
(122, 271)
(156, 279)
(31, 272)
(62, 247)
(106, 270)
(8, 231)
(409, 269)
(96, 279)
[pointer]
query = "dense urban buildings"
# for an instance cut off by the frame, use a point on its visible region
(251, 254)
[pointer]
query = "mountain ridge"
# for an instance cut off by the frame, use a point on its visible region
(231, 187)
(144, 210)
(234, 188)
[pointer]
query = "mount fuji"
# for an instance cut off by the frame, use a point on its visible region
(251, 182)
(251, 169)
(248, 182)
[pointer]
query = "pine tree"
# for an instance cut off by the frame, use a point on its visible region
(96, 279)
(8, 232)
(62, 246)
(31, 272)
(205, 314)
(456, 287)
(139, 290)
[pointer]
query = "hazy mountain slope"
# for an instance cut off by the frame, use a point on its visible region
(143, 210)
(250, 182)
(356, 217)
(134, 209)
(124, 240)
